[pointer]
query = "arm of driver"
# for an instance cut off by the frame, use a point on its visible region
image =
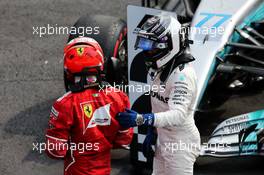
(124, 135)
(57, 134)
(183, 88)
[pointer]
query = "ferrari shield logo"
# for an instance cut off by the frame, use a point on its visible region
(88, 110)
(95, 116)
(79, 51)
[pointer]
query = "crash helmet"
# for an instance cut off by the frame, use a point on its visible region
(158, 36)
(83, 63)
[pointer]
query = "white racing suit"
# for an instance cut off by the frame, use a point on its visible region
(178, 138)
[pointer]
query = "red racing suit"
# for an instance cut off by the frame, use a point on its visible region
(83, 129)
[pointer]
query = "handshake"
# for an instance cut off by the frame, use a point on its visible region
(131, 118)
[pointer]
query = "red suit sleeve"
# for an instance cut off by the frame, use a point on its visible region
(123, 138)
(124, 135)
(57, 135)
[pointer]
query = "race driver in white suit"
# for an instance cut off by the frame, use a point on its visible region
(165, 48)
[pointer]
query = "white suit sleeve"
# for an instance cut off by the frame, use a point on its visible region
(182, 90)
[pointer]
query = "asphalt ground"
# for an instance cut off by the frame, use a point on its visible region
(31, 79)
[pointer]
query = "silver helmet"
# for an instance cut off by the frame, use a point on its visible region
(159, 38)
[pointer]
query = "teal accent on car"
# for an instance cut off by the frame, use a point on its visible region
(256, 15)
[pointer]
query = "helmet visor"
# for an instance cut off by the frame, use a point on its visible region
(147, 44)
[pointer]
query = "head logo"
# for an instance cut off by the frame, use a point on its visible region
(79, 51)
(88, 110)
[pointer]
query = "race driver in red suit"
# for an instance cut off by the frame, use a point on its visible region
(82, 126)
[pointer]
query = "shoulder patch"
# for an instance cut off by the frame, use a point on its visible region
(95, 117)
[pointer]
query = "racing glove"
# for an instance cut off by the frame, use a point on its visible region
(131, 118)
(149, 141)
